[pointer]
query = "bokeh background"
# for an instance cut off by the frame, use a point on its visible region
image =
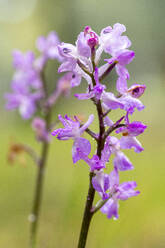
(142, 219)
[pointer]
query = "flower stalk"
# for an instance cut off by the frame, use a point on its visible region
(87, 214)
(91, 192)
(39, 187)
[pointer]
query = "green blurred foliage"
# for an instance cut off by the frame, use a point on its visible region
(142, 219)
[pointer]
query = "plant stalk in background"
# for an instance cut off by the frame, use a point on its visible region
(30, 95)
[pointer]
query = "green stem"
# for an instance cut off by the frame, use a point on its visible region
(39, 188)
(91, 192)
(87, 214)
(100, 145)
(34, 217)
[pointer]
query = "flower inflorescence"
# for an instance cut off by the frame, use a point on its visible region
(82, 61)
(29, 90)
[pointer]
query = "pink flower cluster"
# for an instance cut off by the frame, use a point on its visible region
(82, 60)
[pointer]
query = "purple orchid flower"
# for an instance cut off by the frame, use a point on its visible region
(129, 132)
(26, 85)
(71, 55)
(82, 149)
(112, 146)
(121, 162)
(111, 41)
(81, 52)
(108, 187)
(26, 75)
(101, 184)
(26, 103)
(48, 46)
(73, 130)
(95, 163)
(128, 98)
(136, 90)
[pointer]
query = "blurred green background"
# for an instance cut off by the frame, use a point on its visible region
(142, 219)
